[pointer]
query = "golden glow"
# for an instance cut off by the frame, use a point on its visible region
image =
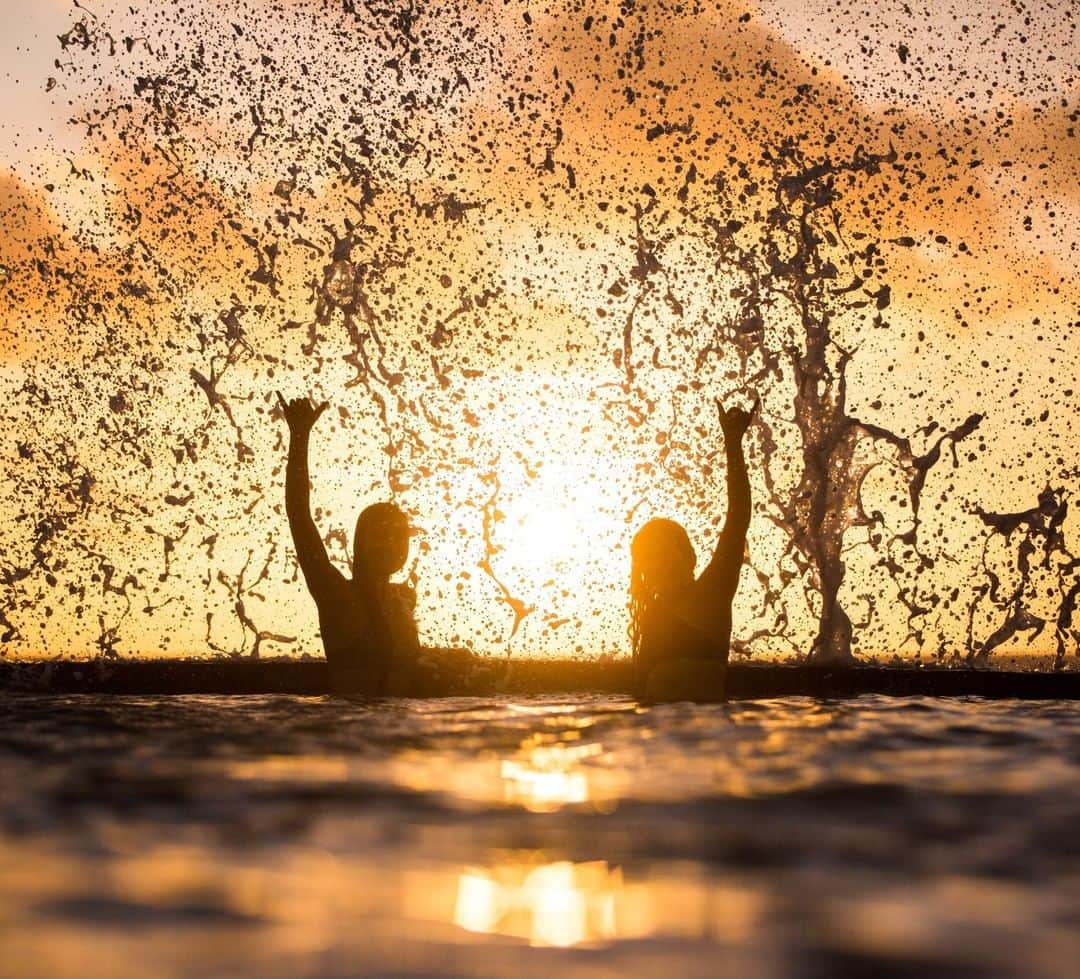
(543, 530)
(563, 903)
(308, 899)
(555, 520)
(546, 777)
(557, 528)
(580, 448)
(547, 771)
(560, 904)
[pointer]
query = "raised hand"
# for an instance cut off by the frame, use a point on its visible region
(300, 413)
(735, 420)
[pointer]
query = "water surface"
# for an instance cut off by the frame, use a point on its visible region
(296, 837)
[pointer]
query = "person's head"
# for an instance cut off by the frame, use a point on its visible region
(662, 561)
(381, 541)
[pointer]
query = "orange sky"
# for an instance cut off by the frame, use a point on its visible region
(184, 230)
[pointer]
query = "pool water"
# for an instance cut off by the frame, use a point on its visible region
(585, 836)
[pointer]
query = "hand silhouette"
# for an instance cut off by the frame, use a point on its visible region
(735, 421)
(300, 413)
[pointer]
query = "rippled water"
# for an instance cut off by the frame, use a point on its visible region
(295, 837)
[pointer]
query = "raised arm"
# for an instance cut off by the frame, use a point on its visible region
(301, 416)
(723, 570)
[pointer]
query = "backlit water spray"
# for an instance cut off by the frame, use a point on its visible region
(505, 244)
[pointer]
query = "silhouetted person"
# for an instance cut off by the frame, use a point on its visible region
(680, 627)
(367, 623)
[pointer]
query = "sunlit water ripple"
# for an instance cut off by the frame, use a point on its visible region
(282, 836)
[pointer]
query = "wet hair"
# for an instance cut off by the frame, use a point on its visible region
(382, 522)
(658, 537)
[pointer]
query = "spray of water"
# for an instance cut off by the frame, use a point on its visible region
(503, 245)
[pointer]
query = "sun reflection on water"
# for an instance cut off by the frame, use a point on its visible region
(560, 765)
(559, 904)
(546, 777)
(564, 903)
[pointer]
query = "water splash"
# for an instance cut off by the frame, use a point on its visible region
(1041, 587)
(422, 212)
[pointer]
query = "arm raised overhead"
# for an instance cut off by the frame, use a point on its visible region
(301, 416)
(723, 570)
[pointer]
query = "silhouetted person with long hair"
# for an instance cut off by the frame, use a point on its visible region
(680, 626)
(367, 623)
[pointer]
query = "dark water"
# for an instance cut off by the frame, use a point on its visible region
(295, 837)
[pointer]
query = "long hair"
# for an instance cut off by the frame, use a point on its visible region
(660, 541)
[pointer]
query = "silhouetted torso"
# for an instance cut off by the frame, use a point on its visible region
(693, 626)
(672, 630)
(368, 630)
